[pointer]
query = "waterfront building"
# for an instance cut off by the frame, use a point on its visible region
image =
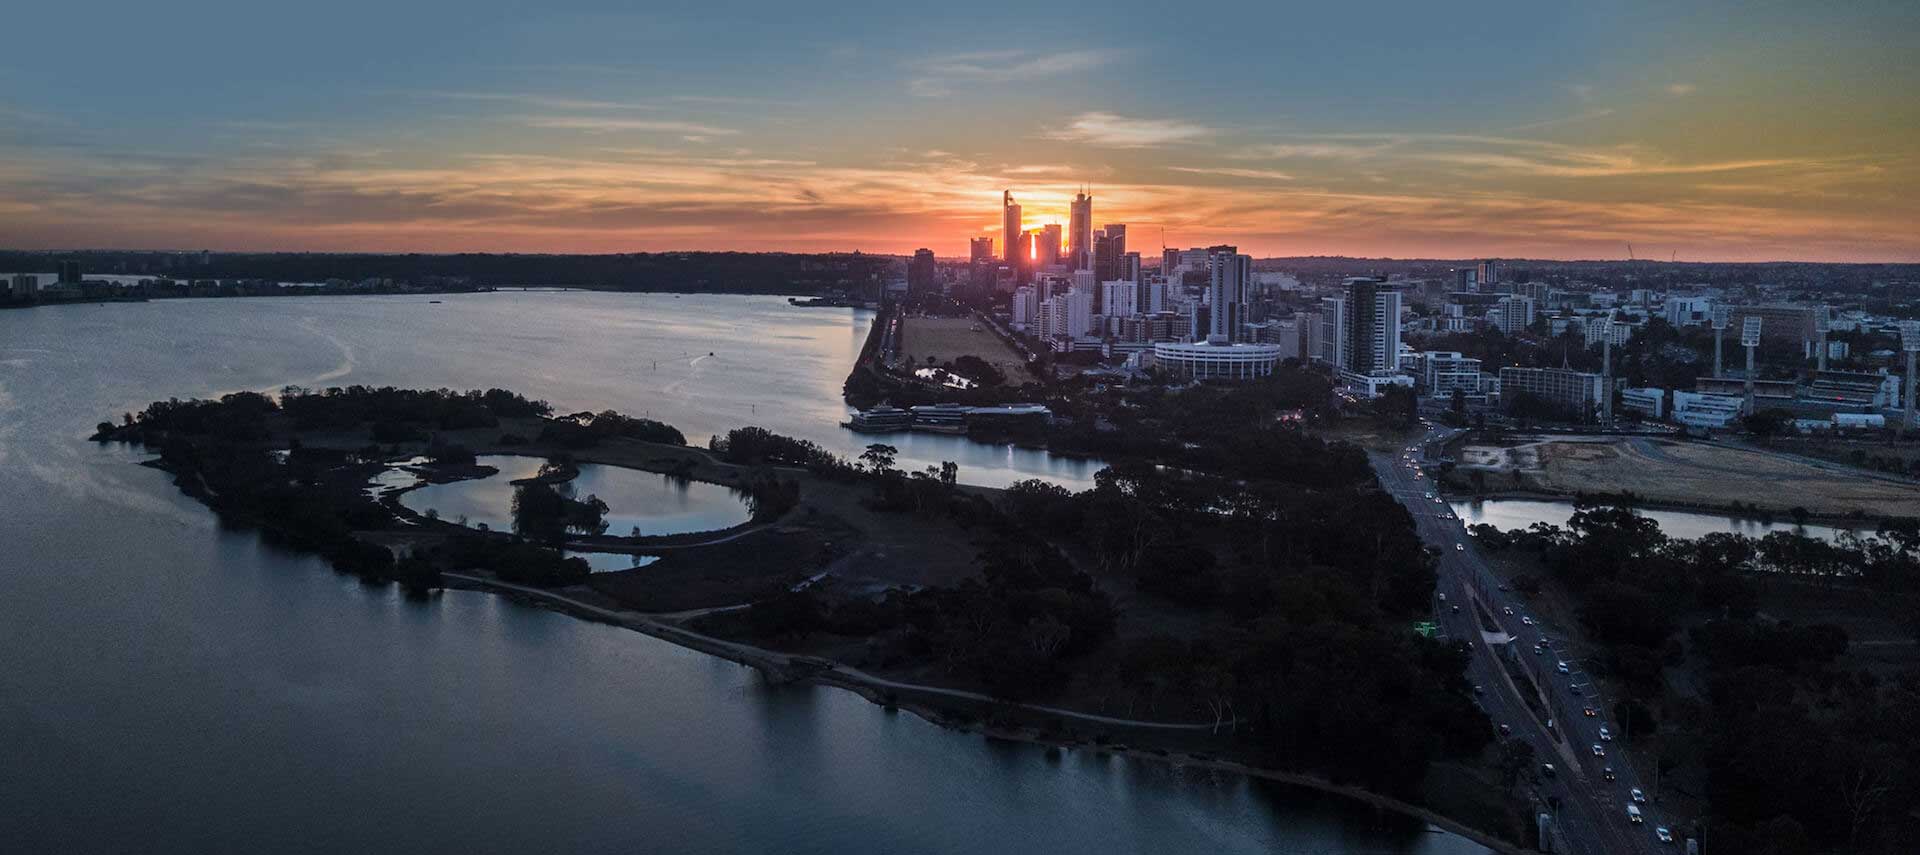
(24, 286)
(1217, 360)
(69, 273)
(881, 419)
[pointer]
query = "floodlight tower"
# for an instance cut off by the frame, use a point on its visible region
(1909, 342)
(1721, 316)
(1822, 324)
(1750, 339)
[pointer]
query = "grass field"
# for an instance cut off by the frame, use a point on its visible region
(946, 339)
(1692, 473)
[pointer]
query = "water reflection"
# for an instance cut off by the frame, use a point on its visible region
(1520, 513)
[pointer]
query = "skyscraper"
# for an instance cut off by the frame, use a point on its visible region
(1049, 245)
(982, 249)
(1228, 274)
(921, 273)
(1489, 274)
(1080, 231)
(1010, 229)
(1117, 232)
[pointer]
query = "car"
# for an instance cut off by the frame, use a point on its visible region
(1638, 797)
(1606, 735)
(1502, 587)
(1506, 610)
(1589, 712)
(1477, 690)
(1539, 651)
(1429, 495)
(1599, 750)
(1506, 730)
(1459, 547)
(1576, 689)
(1561, 666)
(1455, 609)
(1633, 815)
(1526, 620)
(1443, 596)
(1546, 769)
(1662, 834)
(1607, 773)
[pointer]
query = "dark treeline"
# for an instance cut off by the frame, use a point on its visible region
(687, 272)
(1800, 753)
(1303, 650)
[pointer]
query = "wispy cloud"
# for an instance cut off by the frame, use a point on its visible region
(607, 124)
(549, 102)
(1681, 90)
(1115, 131)
(1234, 172)
(938, 76)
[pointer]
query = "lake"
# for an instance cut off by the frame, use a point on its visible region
(1507, 514)
(653, 503)
(168, 686)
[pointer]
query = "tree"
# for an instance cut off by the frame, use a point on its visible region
(879, 457)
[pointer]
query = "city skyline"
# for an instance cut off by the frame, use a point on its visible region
(1496, 131)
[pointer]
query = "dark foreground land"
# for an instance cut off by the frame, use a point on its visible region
(1243, 620)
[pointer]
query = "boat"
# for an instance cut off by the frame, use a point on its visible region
(881, 419)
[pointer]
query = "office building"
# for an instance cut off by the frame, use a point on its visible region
(1441, 373)
(922, 273)
(1649, 403)
(1703, 411)
(1080, 231)
(1010, 231)
(1781, 324)
(1049, 246)
(1688, 311)
(1579, 393)
(982, 249)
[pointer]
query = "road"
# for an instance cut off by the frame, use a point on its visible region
(1472, 604)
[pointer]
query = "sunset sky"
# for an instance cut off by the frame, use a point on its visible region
(1735, 131)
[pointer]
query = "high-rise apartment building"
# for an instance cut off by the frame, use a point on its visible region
(922, 273)
(1360, 328)
(1513, 314)
(1229, 274)
(1120, 298)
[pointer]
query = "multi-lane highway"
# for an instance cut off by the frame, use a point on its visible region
(1516, 668)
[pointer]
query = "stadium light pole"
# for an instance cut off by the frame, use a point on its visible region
(1750, 339)
(1822, 324)
(1721, 315)
(1909, 342)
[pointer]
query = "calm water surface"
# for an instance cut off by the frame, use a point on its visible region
(166, 686)
(651, 502)
(1520, 513)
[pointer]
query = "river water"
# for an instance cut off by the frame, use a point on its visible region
(1505, 514)
(167, 686)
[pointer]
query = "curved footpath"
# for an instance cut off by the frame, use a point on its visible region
(873, 688)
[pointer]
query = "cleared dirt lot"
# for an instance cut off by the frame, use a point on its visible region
(946, 339)
(1690, 473)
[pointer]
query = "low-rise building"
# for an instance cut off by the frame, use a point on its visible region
(1649, 402)
(1705, 411)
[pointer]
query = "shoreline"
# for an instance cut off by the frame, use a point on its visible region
(796, 668)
